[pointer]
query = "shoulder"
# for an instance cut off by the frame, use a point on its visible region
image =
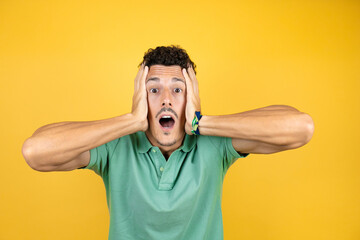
(211, 142)
(210, 139)
(223, 144)
(124, 140)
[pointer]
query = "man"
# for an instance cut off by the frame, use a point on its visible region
(164, 163)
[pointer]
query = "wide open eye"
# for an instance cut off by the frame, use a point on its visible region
(154, 90)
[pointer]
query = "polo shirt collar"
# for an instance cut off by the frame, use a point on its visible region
(143, 143)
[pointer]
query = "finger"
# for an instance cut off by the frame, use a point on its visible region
(136, 80)
(194, 80)
(189, 86)
(138, 76)
(143, 78)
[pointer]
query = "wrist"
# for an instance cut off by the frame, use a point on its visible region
(140, 123)
(195, 123)
(212, 125)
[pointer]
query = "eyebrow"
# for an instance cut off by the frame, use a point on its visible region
(174, 79)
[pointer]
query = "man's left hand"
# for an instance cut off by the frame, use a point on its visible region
(192, 98)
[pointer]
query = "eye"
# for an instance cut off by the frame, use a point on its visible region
(154, 90)
(178, 90)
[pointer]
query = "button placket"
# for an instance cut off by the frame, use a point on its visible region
(169, 172)
(159, 161)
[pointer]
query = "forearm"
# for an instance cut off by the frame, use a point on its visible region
(58, 143)
(277, 124)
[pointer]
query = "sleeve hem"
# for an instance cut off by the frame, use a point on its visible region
(93, 154)
(233, 151)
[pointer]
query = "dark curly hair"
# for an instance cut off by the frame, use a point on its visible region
(171, 55)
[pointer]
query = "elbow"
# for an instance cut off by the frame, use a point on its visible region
(28, 154)
(309, 128)
(307, 132)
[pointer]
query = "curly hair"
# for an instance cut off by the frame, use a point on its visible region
(171, 55)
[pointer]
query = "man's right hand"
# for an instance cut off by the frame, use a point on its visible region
(47, 151)
(140, 105)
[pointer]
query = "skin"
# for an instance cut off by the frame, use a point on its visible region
(155, 93)
(166, 95)
(265, 130)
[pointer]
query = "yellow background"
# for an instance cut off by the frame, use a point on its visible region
(76, 61)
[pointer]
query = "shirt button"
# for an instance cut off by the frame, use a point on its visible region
(161, 169)
(154, 150)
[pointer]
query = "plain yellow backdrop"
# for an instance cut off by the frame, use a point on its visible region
(76, 61)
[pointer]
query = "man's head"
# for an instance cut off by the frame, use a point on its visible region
(166, 91)
(168, 56)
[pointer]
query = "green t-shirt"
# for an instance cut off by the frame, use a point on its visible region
(151, 198)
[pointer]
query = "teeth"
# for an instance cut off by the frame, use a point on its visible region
(166, 117)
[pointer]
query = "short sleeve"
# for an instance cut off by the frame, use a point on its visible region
(99, 158)
(230, 154)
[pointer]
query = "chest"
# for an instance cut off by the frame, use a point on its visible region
(182, 173)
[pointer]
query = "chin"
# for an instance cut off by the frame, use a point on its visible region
(166, 130)
(167, 138)
(167, 143)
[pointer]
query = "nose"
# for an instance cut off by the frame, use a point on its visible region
(166, 100)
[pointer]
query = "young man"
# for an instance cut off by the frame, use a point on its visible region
(163, 164)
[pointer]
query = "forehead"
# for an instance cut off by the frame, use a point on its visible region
(164, 72)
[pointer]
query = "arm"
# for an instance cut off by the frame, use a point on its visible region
(66, 145)
(264, 130)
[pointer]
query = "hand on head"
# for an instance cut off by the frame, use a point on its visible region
(192, 98)
(140, 105)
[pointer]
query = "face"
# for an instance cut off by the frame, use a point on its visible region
(166, 92)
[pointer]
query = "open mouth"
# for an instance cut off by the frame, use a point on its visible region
(167, 122)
